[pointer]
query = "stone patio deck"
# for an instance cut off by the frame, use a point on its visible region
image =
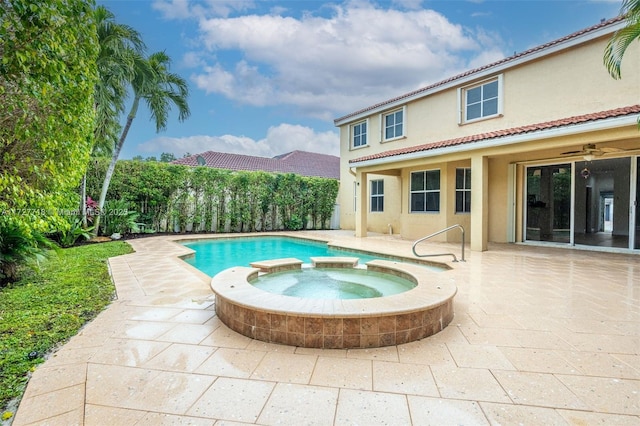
(540, 336)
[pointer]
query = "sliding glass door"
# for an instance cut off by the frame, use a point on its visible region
(549, 203)
(602, 189)
(593, 203)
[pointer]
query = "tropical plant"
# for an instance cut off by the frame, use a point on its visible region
(91, 208)
(121, 50)
(204, 199)
(167, 157)
(622, 39)
(210, 187)
(76, 231)
(20, 246)
(181, 211)
(48, 53)
(119, 218)
(322, 196)
(154, 84)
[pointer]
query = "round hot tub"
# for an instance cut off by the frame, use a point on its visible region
(333, 283)
(424, 308)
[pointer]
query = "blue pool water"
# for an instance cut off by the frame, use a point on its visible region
(216, 255)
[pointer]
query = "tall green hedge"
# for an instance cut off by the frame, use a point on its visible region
(176, 198)
(48, 51)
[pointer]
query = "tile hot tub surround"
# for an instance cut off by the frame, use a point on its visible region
(341, 323)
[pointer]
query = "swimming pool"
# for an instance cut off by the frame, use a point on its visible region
(216, 255)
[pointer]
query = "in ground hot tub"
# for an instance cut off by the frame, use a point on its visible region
(333, 283)
(315, 322)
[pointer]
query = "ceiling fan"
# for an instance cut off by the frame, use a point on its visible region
(592, 150)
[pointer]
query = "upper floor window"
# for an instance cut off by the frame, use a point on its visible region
(425, 191)
(463, 190)
(359, 134)
(482, 100)
(377, 195)
(393, 124)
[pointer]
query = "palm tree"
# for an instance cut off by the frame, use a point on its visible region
(623, 38)
(121, 50)
(159, 89)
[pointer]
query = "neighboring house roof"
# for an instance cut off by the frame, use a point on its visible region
(299, 162)
(533, 53)
(514, 131)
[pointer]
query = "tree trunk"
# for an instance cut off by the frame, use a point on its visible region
(114, 160)
(83, 200)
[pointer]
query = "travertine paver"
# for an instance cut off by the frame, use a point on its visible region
(358, 407)
(540, 336)
(300, 405)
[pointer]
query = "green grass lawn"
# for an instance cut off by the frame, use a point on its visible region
(48, 306)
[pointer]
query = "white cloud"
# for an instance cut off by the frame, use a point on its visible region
(361, 54)
(290, 137)
(193, 60)
(245, 84)
(173, 9)
(278, 140)
(408, 4)
(491, 53)
(486, 57)
(216, 76)
(184, 9)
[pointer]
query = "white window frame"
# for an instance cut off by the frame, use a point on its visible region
(383, 129)
(352, 137)
(378, 195)
(466, 192)
(426, 191)
(462, 100)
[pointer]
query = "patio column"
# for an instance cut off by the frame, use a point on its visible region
(479, 234)
(361, 205)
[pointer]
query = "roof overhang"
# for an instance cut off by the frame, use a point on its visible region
(574, 129)
(490, 70)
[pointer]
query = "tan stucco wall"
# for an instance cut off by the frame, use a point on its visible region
(569, 83)
(573, 82)
(498, 178)
(463, 219)
(380, 221)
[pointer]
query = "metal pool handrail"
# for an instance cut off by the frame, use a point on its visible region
(455, 259)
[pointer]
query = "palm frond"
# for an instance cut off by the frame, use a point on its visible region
(623, 38)
(163, 89)
(116, 63)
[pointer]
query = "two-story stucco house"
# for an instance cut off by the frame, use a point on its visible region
(542, 146)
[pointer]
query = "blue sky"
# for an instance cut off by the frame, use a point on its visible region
(269, 77)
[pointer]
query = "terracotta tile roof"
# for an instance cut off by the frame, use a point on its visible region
(299, 162)
(477, 70)
(579, 119)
